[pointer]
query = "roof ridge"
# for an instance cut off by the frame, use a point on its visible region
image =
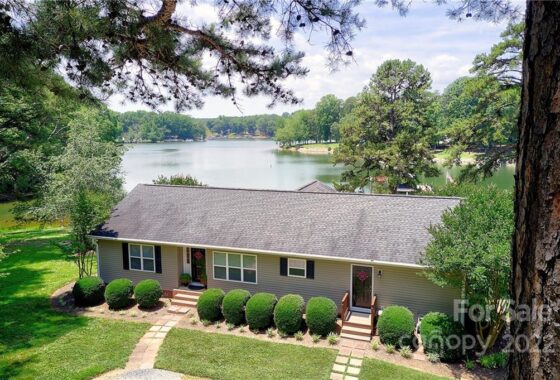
(338, 193)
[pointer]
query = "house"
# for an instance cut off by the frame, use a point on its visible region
(357, 247)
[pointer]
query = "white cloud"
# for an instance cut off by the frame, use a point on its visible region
(445, 47)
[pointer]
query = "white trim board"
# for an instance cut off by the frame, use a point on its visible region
(257, 251)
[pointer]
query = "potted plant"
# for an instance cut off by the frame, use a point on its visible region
(203, 279)
(185, 279)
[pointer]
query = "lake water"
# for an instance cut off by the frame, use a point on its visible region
(244, 163)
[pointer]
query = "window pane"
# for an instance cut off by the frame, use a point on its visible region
(220, 272)
(135, 263)
(219, 258)
(149, 264)
(249, 275)
(234, 260)
(235, 274)
(148, 251)
(297, 272)
(297, 263)
(134, 250)
(250, 262)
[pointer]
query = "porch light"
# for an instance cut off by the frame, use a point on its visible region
(379, 273)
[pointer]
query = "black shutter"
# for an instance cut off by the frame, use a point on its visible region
(283, 266)
(125, 256)
(158, 258)
(310, 269)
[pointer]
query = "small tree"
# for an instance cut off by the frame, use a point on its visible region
(471, 249)
(177, 179)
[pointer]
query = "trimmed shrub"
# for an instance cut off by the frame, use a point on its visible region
(442, 335)
(118, 293)
(147, 293)
(320, 315)
(396, 326)
(88, 291)
(209, 304)
(288, 313)
(233, 306)
(259, 310)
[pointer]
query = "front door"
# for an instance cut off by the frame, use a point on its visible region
(362, 287)
(198, 264)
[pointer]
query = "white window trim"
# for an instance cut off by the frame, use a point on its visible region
(142, 258)
(227, 266)
(304, 268)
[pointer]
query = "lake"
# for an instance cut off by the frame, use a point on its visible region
(245, 163)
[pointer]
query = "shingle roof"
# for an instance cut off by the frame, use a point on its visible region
(360, 226)
(317, 187)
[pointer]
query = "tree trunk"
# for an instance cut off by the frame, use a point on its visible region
(536, 243)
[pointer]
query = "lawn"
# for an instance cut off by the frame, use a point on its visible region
(377, 369)
(37, 342)
(219, 356)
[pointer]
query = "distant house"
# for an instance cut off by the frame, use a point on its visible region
(352, 248)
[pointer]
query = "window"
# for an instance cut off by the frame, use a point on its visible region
(235, 267)
(141, 257)
(297, 268)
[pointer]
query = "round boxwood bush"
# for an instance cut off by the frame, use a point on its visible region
(288, 313)
(88, 291)
(396, 326)
(118, 293)
(233, 306)
(259, 310)
(147, 293)
(442, 335)
(209, 304)
(320, 315)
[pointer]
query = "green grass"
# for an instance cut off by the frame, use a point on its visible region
(444, 155)
(35, 341)
(7, 221)
(377, 369)
(219, 356)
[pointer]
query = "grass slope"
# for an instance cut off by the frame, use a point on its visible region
(37, 342)
(219, 356)
(377, 369)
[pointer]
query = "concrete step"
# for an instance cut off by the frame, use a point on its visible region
(186, 297)
(184, 303)
(356, 330)
(360, 325)
(355, 337)
(196, 293)
(175, 309)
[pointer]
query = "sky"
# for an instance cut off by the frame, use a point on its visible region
(445, 47)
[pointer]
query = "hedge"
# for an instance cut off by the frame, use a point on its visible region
(147, 293)
(88, 291)
(233, 306)
(288, 313)
(396, 326)
(442, 335)
(118, 293)
(259, 310)
(320, 315)
(209, 304)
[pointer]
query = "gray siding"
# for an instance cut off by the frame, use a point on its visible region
(111, 265)
(407, 287)
(332, 279)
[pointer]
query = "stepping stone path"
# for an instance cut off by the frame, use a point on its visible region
(145, 352)
(348, 362)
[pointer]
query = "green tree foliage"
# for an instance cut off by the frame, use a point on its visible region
(256, 125)
(84, 182)
(480, 113)
(387, 134)
(156, 56)
(327, 112)
(177, 179)
(297, 128)
(151, 126)
(471, 250)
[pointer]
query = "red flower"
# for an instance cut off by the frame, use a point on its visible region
(198, 255)
(362, 275)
